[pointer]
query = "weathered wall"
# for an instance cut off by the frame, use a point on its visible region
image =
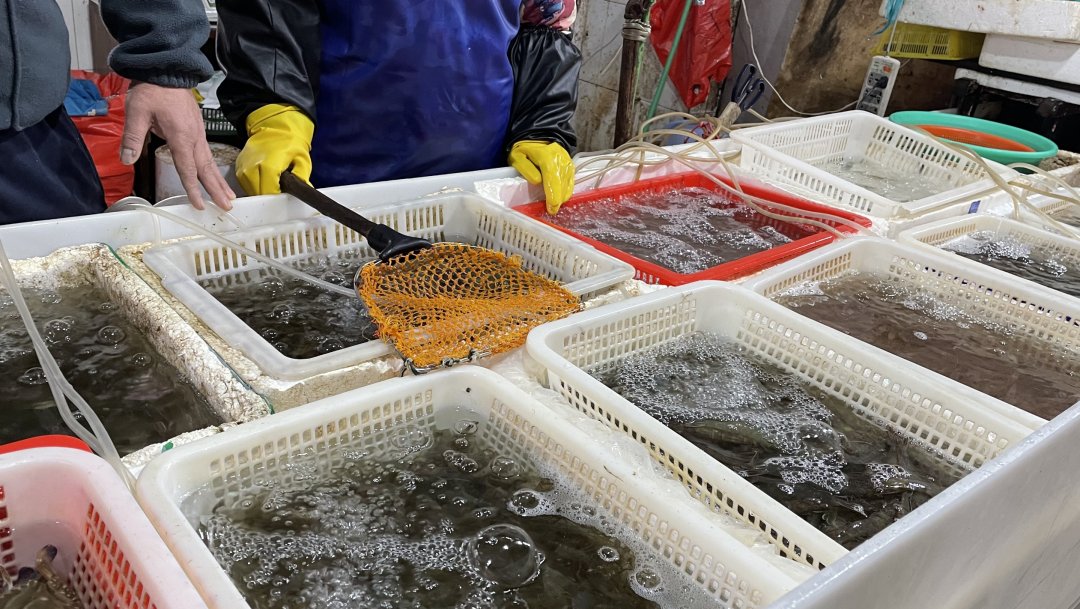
(828, 55)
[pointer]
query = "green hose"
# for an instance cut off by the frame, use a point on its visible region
(670, 59)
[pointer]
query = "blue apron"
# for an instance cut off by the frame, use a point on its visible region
(412, 88)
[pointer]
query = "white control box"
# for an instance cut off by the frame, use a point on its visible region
(878, 84)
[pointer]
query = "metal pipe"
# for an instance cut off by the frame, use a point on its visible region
(635, 32)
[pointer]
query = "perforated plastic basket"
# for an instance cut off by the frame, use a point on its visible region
(108, 552)
(510, 420)
(986, 293)
(929, 42)
(939, 234)
(879, 387)
(465, 218)
(653, 273)
(785, 154)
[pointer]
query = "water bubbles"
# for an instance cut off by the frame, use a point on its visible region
(33, 376)
(466, 428)
(411, 439)
(59, 331)
(336, 278)
(647, 579)
(461, 461)
(921, 335)
(111, 335)
(141, 360)
(461, 443)
(272, 287)
(50, 297)
(281, 312)
(329, 345)
(505, 555)
(608, 554)
(504, 468)
(107, 306)
(270, 334)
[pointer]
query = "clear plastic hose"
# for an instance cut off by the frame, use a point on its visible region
(97, 437)
(270, 262)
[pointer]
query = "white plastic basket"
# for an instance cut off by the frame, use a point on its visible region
(879, 387)
(108, 552)
(938, 234)
(986, 293)
(462, 217)
(510, 420)
(785, 153)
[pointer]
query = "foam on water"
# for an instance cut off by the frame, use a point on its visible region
(914, 323)
(299, 319)
(140, 397)
(429, 522)
(686, 230)
(841, 473)
(1019, 259)
(900, 186)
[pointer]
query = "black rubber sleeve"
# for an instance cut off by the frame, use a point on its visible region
(546, 66)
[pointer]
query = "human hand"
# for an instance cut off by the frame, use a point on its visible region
(173, 115)
(548, 163)
(279, 138)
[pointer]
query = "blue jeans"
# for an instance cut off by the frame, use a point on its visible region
(46, 172)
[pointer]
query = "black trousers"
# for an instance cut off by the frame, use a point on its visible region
(46, 172)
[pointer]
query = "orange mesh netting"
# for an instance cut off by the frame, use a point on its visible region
(451, 301)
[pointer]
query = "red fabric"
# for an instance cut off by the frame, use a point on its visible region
(704, 53)
(103, 134)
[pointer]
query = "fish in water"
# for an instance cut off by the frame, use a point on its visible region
(40, 587)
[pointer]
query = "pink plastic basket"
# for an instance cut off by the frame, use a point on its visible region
(109, 552)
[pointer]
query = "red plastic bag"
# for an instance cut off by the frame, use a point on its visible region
(103, 135)
(704, 53)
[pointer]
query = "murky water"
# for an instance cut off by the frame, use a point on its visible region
(842, 474)
(899, 186)
(1019, 259)
(686, 230)
(299, 319)
(140, 398)
(439, 520)
(38, 587)
(914, 324)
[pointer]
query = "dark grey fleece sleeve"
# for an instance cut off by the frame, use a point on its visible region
(160, 40)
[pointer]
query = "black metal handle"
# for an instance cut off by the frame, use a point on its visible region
(290, 184)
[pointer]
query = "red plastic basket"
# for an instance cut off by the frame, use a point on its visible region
(650, 272)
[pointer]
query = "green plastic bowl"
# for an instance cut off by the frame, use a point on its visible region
(1041, 148)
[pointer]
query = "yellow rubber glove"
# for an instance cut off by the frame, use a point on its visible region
(549, 163)
(279, 137)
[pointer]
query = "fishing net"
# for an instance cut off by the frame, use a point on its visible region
(453, 302)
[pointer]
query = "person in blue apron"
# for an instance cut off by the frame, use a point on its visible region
(351, 91)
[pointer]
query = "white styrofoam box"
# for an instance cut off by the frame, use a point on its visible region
(172, 339)
(938, 234)
(785, 154)
(1022, 87)
(879, 387)
(463, 217)
(1055, 19)
(1050, 59)
(107, 550)
(510, 420)
(1004, 537)
(986, 293)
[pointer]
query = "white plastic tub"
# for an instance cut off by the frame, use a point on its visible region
(939, 234)
(983, 292)
(107, 549)
(785, 154)
(241, 457)
(880, 387)
(458, 217)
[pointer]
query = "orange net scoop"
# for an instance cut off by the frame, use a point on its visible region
(452, 302)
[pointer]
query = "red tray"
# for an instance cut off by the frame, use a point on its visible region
(53, 441)
(650, 272)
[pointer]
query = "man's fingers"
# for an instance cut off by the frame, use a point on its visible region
(136, 126)
(211, 178)
(186, 166)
